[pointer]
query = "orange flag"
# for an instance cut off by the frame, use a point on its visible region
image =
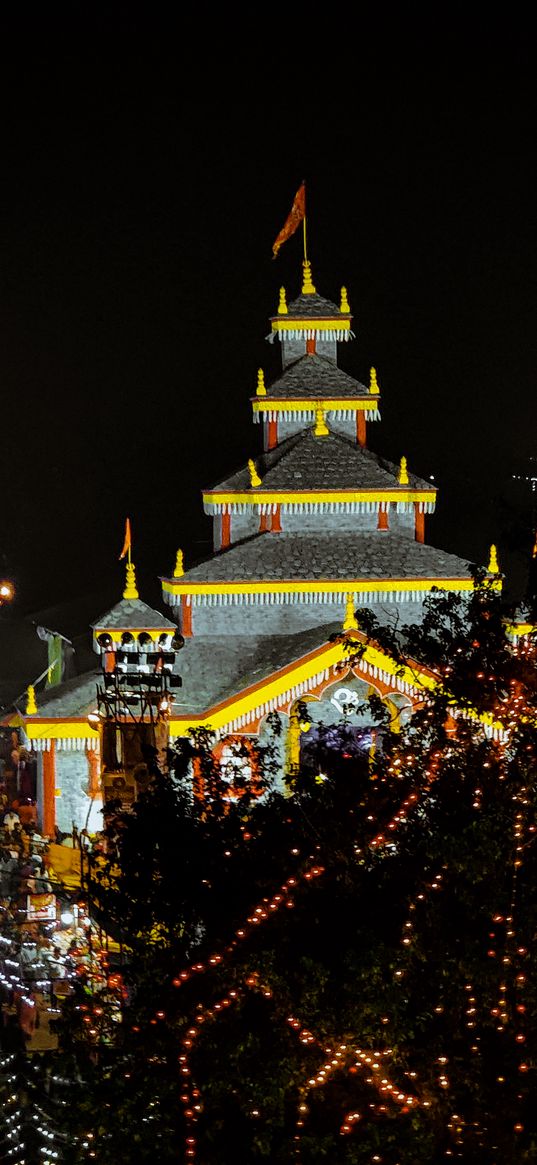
(293, 220)
(127, 542)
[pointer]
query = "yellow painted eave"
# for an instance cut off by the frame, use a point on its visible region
(308, 404)
(318, 586)
(273, 687)
(289, 323)
(319, 497)
(41, 728)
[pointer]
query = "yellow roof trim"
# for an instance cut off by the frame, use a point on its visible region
(273, 687)
(310, 586)
(305, 404)
(40, 728)
(115, 633)
(282, 497)
(311, 323)
(220, 714)
(519, 629)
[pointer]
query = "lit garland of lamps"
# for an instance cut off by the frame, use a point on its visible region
(339, 1057)
(260, 914)
(346, 1056)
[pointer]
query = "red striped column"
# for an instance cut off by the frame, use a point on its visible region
(419, 523)
(186, 618)
(49, 790)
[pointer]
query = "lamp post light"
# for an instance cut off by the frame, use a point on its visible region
(7, 591)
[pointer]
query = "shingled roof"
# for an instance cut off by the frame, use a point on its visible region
(75, 697)
(314, 306)
(317, 376)
(213, 668)
(307, 462)
(291, 556)
(216, 668)
(132, 614)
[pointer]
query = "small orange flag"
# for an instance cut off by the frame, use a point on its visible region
(127, 543)
(293, 220)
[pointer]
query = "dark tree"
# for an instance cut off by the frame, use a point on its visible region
(340, 973)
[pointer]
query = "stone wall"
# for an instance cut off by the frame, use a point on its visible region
(72, 801)
(265, 618)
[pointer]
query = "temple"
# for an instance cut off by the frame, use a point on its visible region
(311, 527)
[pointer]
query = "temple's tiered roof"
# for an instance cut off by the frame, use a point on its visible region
(332, 462)
(312, 527)
(130, 615)
(72, 699)
(310, 315)
(313, 375)
(314, 306)
(375, 554)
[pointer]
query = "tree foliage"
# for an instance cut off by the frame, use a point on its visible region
(340, 971)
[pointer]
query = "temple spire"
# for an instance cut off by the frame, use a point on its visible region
(255, 479)
(350, 622)
(403, 472)
(321, 427)
(493, 567)
(31, 706)
(130, 591)
(307, 282)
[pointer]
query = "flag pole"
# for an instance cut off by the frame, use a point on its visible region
(304, 224)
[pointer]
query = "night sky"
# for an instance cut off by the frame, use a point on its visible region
(142, 188)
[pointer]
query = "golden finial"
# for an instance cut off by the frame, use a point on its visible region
(307, 285)
(493, 567)
(402, 476)
(179, 569)
(321, 427)
(31, 706)
(261, 390)
(254, 476)
(350, 622)
(282, 306)
(344, 305)
(373, 382)
(130, 591)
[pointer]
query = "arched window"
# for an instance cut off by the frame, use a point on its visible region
(343, 728)
(237, 766)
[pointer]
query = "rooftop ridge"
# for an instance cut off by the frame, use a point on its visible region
(302, 462)
(326, 376)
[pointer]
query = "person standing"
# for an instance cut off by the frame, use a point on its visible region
(11, 819)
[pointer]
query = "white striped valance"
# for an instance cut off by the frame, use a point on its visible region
(312, 334)
(310, 414)
(283, 700)
(308, 507)
(295, 598)
(69, 744)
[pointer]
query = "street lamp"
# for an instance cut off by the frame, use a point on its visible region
(7, 591)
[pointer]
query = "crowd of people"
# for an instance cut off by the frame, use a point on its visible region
(47, 938)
